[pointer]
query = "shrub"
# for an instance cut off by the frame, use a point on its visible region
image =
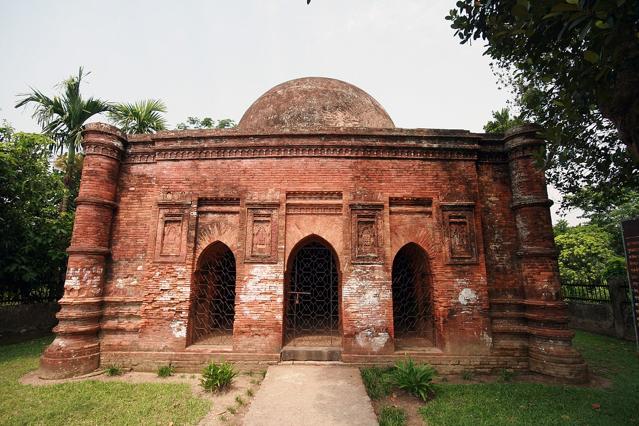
(113, 370)
(506, 375)
(392, 416)
(217, 376)
(166, 371)
(416, 379)
(467, 375)
(377, 381)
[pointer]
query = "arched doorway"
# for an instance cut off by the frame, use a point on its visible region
(412, 298)
(312, 296)
(213, 304)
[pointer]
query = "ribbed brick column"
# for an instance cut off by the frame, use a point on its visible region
(76, 349)
(550, 347)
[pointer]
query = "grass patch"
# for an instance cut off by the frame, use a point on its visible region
(113, 370)
(392, 416)
(377, 381)
(88, 402)
(539, 404)
(217, 376)
(416, 379)
(166, 371)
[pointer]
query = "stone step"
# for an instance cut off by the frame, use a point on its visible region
(311, 353)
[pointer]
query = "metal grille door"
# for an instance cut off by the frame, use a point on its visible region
(213, 308)
(412, 302)
(312, 312)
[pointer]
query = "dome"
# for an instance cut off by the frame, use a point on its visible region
(314, 102)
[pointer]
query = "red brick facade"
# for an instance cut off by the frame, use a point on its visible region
(313, 160)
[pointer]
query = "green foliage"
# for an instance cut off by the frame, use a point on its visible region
(607, 208)
(240, 401)
(502, 121)
(585, 255)
(392, 416)
(415, 379)
(467, 375)
(506, 375)
(574, 68)
(206, 123)
(34, 233)
(113, 370)
(61, 118)
(217, 376)
(166, 371)
(377, 381)
(140, 117)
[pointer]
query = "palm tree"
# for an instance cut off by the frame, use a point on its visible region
(61, 118)
(139, 117)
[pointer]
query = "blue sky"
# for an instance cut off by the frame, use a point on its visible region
(214, 58)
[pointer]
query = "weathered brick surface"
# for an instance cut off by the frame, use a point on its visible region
(475, 204)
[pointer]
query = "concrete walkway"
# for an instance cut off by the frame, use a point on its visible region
(311, 395)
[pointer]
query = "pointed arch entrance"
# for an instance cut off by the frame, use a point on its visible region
(412, 298)
(312, 295)
(213, 302)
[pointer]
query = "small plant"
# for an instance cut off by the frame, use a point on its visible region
(467, 375)
(255, 381)
(217, 376)
(506, 375)
(392, 416)
(223, 418)
(239, 401)
(416, 379)
(377, 381)
(249, 393)
(263, 374)
(231, 410)
(166, 371)
(113, 370)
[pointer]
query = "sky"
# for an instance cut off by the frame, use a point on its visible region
(214, 58)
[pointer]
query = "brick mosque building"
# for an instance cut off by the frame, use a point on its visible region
(316, 229)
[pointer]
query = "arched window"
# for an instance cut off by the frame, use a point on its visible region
(213, 303)
(412, 298)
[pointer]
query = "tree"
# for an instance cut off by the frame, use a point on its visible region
(61, 118)
(502, 121)
(140, 117)
(34, 232)
(206, 123)
(601, 212)
(574, 68)
(586, 256)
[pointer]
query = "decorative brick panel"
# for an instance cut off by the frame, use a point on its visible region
(261, 232)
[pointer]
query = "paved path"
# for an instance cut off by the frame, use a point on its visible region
(311, 395)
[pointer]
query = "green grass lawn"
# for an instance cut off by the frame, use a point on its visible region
(537, 404)
(88, 402)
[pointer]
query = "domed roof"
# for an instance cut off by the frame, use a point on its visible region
(314, 102)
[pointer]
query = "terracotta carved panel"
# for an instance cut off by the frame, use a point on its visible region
(170, 242)
(261, 233)
(459, 230)
(366, 233)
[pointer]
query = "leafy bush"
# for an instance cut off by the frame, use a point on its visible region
(217, 376)
(34, 233)
(377, 381)
(166, 371)
(392, 416)
(113, 370)
(506, 375)
(467, 375)
(416, 379)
